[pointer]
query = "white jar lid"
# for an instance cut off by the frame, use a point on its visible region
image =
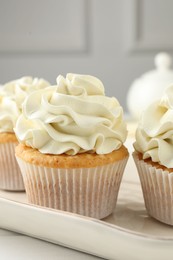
(150, 86)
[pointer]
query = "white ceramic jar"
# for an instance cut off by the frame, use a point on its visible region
(150, 86)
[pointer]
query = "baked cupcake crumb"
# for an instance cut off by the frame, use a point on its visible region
(7, 137)
(85, 160)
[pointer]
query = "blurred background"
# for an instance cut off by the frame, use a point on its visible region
(114, 40)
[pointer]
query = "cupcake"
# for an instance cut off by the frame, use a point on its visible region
(154, 157)
(12, 95)
(71, 151)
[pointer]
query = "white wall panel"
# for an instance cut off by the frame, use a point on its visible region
(148, 25)
(42, 26)
(45, 38)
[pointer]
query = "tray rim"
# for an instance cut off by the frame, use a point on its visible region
(87, 219)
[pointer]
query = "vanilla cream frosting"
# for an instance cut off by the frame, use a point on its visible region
(154, 135)
(72, 117)
(12, 95)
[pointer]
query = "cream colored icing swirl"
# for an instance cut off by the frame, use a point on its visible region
(72, 117)
(154, 135)
(12, 95)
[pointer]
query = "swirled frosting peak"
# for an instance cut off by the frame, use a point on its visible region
(72, 117)
(154, 135)
(76, 84)
(12, 95)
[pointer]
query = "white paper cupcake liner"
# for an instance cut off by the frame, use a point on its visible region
(87, 191)
(157, 187)
(10, 175)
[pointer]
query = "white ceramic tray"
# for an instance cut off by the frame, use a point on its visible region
(127, 234)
